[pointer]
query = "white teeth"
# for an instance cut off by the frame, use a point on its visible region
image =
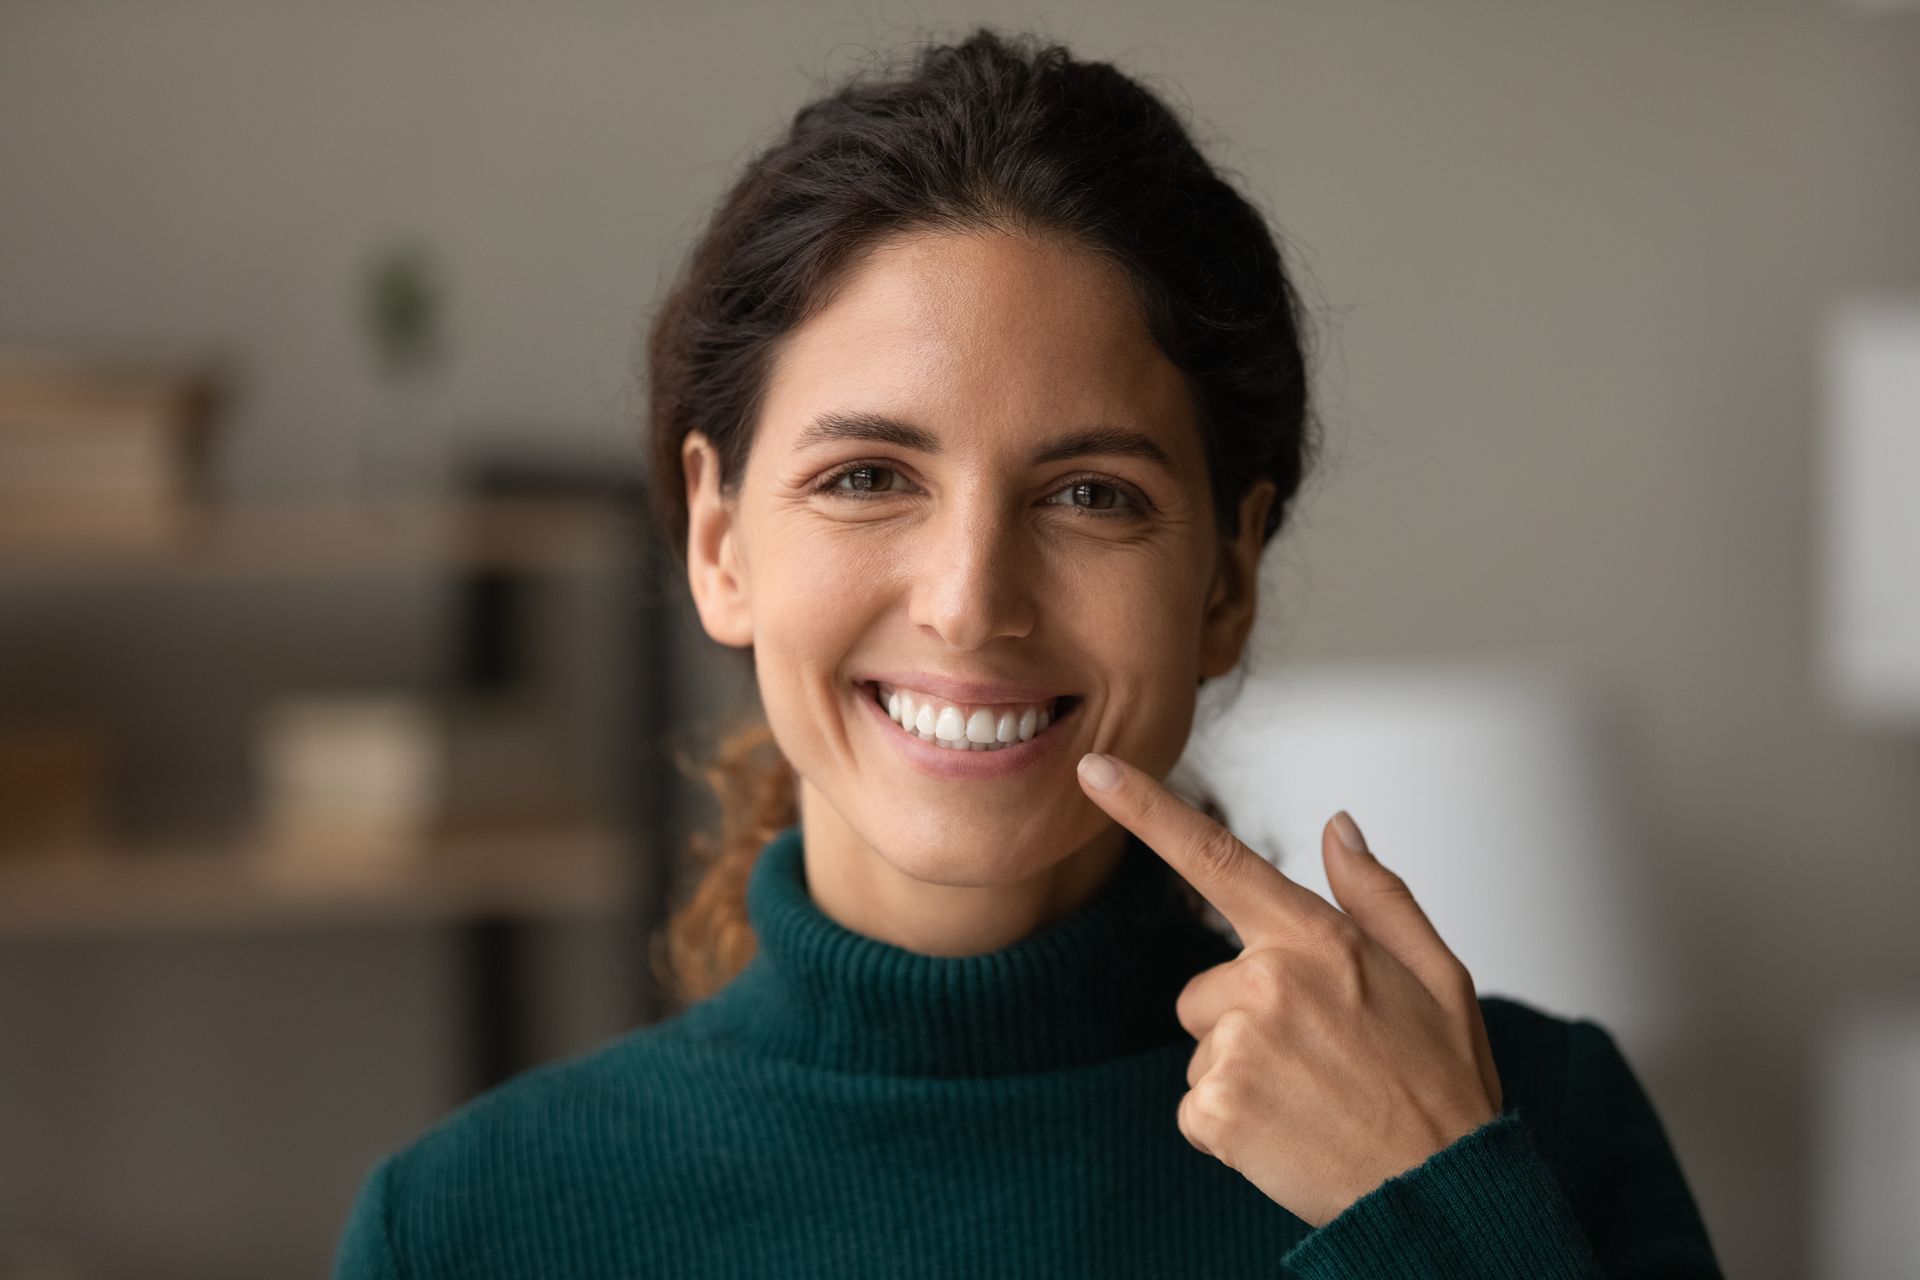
(950, 727)
(946, 725)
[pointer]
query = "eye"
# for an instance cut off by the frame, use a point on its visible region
(1099, 497)
(863, 475)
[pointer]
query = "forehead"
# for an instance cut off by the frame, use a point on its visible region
(982, 336)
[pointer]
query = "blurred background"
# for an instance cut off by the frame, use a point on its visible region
(338, 702)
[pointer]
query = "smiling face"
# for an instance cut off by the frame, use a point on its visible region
(973, 466)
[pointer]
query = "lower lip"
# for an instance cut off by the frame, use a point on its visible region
(946, 762)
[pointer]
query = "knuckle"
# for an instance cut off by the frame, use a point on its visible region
(1388, 883)
(1269, 978)
(1210, 1106)
(1218, 852)
(1232, 1034)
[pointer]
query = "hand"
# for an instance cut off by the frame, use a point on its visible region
(1338, 1048)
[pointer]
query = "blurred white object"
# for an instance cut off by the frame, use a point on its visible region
(350, 784)
(1870, 511)
(1494, 792)
(1867, 1145)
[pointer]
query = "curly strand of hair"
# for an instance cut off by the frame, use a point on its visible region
(707, 939)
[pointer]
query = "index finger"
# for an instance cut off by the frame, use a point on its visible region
(1256, 898)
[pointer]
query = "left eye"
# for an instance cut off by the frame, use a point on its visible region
(1081, 489)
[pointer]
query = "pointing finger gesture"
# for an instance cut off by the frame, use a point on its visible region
(1339, 1047)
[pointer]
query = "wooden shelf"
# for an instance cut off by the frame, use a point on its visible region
(278, 539)
(564, 872)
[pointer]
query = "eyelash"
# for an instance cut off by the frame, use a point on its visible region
(1138, 508)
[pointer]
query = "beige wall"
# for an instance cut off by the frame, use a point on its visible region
(1571, 261)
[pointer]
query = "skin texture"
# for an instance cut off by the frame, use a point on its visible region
(971, 562)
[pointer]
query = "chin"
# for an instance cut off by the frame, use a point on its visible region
(975, 853)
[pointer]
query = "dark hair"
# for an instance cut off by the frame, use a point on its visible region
(994, 132)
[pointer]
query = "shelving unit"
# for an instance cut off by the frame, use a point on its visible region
(519, 534)
(554, 873)
(490, 886)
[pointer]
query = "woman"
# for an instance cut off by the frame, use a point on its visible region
(971, 416)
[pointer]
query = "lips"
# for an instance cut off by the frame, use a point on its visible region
(979, 763)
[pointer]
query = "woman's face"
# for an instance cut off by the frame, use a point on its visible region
(972, 468)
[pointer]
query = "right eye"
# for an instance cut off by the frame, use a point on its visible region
(862, 474)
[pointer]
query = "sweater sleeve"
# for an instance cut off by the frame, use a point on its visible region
(366, 1249)
(1491, 1207)
(1623, 1173)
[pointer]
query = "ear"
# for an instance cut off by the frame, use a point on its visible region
(716, 571)
(1236, 585)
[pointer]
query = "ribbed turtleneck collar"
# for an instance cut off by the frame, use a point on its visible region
(1097, 983)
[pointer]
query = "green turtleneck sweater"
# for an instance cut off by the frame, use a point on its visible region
(845, 1107)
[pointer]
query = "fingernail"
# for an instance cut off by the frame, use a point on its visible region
(1349, 832)
(1098, 771)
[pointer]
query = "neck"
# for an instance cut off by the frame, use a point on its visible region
(1098, 983)
(859, 888)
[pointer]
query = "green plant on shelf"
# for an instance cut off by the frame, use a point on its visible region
(403, 311)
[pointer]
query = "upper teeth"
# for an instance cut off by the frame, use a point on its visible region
(964, 728)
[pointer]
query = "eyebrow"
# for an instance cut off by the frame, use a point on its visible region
(1099, 438)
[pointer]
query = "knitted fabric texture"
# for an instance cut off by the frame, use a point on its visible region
(846, 1108)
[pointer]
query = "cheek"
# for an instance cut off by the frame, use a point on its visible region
(806, 611)
(1139, 627)
(805, 583)
(1137, 612)
(811, 607)
(820, 592)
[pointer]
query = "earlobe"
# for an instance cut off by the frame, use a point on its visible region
(715, 571)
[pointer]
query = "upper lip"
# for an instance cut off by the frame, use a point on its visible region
(961, 691)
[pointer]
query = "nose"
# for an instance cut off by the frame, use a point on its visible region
(974, 583)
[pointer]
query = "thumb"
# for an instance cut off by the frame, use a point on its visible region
(1380, 902)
